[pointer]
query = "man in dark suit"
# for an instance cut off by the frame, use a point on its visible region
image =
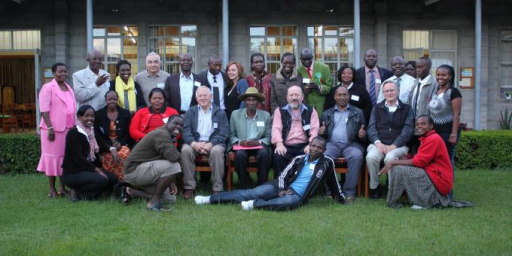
(180, 89)
(215, 79)
(372, 75)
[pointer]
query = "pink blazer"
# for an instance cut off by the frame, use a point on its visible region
(52, 101)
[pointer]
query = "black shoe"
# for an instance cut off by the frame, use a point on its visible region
(375, 193)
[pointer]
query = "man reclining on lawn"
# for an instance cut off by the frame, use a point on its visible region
(297, 183)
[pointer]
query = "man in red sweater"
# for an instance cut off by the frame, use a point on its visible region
(428, 177)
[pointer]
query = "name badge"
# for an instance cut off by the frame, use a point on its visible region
(306, 127)
(215, 125)
(377, 81)
(160, 85)
(312, 167)
(165, 120)
(306, 80)
(260, 124)
(354, 98)
(197, 84)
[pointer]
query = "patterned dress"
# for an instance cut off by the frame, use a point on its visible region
(108, 161)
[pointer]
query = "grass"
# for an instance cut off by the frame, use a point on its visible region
(31, 224)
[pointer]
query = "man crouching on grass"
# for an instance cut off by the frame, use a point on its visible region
(297, 183)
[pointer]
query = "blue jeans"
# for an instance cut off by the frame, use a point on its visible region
(265, 196)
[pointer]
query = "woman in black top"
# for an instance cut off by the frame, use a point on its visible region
(112, 130)
(82, 170)
(359, 97)
(445, 108)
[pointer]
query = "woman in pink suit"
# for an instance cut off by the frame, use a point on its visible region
(58, 107)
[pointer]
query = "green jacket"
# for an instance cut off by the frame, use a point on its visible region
(322, 77)
(156, 145)
(237, 126)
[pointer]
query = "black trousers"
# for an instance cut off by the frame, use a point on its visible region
(263, 165)
(280, 162)
(89, 185)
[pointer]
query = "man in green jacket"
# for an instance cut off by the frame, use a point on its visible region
(316, 80)
(153, 165)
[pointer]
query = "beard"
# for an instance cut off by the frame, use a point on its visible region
(294, 105)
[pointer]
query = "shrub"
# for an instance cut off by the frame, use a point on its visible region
(484, 149)
(19, 153)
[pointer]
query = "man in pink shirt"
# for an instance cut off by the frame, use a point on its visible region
(293, 128)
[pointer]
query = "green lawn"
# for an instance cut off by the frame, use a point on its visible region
(32, 224)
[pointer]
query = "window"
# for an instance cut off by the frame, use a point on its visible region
(439, 45)
(20, 39)
(117, 43)
(171, 41)
(272, 42)
(506, 58)
(333, 45)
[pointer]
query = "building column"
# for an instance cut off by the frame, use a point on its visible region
(89, 23)
(357, 34)
(225, 32)
(381, 32)
(478, 60)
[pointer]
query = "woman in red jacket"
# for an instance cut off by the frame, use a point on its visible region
(428, 177)
(149, 118)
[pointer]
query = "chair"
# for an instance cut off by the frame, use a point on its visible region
(251, 167)
(28, 116)
(10, 118)
(340, 166)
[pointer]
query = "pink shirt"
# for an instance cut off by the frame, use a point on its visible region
(296, 134)
(60, 105)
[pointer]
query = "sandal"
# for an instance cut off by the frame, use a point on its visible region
(62, 193)
(158, 207)
(126, 198)
(51, 195)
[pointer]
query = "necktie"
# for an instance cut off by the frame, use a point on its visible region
(398, 80)
(415, 99)
(309, 73)
(373, 95)
(214, 78)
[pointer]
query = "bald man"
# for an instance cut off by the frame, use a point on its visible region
(91, 83)
(372, 75)
(152, 77)
(317, 79)
(404, 81)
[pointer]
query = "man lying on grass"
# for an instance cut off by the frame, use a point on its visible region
(297, 183)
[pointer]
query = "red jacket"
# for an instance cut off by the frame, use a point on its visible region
(433, 157)
(139, 125)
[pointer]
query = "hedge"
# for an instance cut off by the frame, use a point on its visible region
(476, 149)
(484, 149)
(19, 153)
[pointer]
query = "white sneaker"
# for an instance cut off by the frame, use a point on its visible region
(417, 207)
(202, 199)
(247, 205)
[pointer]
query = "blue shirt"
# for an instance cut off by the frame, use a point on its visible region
(301, 182)
(339, 133)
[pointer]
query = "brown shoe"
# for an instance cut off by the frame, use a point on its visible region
(189, 193)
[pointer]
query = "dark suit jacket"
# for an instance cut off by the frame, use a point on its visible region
(361, 76)
(173, 93)
(102, 128)
(141, 103)
(204, 80)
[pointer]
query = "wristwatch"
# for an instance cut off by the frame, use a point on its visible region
(112, 148)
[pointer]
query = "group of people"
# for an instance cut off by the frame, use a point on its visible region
(141, 133)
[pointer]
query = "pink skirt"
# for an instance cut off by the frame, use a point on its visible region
(52, 153)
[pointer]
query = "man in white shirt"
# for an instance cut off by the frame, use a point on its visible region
(91, 83)
(152, 77)
(180, 89)
(215, 79)
(424, 89)
(404, 82)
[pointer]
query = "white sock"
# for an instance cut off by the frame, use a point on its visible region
(247, 205)
(202, 199)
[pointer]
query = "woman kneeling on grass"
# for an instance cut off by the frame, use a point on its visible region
(428, 177)
(81, 166)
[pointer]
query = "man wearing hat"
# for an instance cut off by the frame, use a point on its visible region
(249, 135)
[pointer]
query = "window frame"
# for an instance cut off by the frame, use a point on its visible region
(12, 40)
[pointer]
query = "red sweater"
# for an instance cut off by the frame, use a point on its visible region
(139, 126)
(433, 157)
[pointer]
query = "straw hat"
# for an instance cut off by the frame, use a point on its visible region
(252, 92)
